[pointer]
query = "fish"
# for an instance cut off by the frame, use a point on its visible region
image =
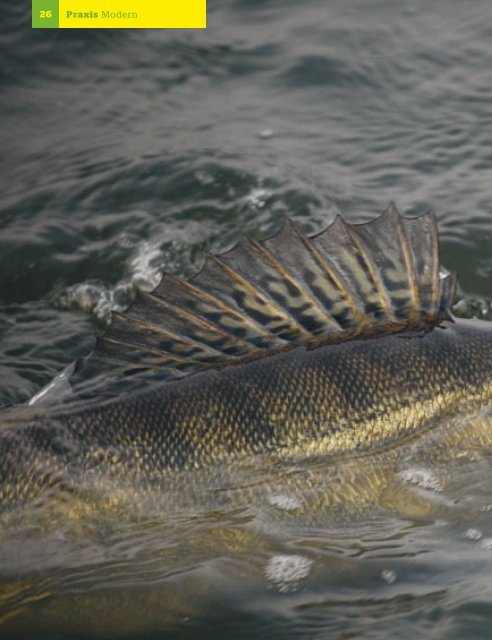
(335, 346)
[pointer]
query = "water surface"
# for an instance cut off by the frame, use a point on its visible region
(127, 153)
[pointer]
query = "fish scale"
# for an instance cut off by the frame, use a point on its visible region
(152, 402)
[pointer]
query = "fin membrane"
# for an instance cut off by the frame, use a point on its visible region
(290, 290)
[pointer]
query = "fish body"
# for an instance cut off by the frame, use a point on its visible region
(300, 379)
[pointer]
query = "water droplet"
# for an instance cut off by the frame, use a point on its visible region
(265, 134)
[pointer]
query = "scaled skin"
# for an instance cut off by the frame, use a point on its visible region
(335, 401)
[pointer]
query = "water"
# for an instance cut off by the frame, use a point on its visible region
(127, 153)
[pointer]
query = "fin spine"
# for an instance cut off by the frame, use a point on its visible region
(254, 291)
(372, 270)
(163, 355)
(415, 310)
(218, 303)
(195, 319)
(268, 257)
(166, 333)
(436, 263)
(359, 316)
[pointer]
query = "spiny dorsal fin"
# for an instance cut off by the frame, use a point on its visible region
(350, 280)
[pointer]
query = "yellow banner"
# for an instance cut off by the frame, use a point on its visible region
(132, 14)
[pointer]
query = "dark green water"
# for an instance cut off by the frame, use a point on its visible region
(126, 153)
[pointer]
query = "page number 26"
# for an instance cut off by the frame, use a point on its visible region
(45, 14)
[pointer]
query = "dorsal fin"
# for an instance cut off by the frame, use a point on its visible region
(350, 280)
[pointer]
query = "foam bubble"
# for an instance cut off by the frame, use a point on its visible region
(100, 299)
(440, 522)
(258, 198)
(388, 576)
(204, 178)
(422, 478)
(146, 265)
(96, 298)
(286, 571)
(472, 534)
(286, 503)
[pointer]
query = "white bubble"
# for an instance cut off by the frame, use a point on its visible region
(440, 522)
(265, 134)
(286, 503)
(146, 265)
(472, 534)
(388, 576)
(204, 178)
(258, 197)
(285, 571)
(93, 298)
(422, 478)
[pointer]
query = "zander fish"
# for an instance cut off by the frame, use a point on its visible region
(335, 345)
